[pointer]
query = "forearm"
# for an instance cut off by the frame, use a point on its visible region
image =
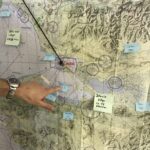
(4, 87)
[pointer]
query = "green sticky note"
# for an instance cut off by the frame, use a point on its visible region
(13, 37)
(103, 102)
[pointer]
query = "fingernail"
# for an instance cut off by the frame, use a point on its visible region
(58, 88)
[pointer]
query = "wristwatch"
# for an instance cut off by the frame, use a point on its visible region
(13, 83)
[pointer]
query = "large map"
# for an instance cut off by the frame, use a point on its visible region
(105, 49)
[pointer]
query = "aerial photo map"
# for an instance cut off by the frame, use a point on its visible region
(98, 51)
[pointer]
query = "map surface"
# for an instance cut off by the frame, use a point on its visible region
(105, 47)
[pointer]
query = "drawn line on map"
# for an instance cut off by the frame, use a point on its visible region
(60, 60)
(10, 65)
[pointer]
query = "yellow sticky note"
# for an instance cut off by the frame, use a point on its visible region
(103, 102)
(13, 37)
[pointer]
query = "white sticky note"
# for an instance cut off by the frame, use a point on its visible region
(64, 87)
(5, 13)
(131, 48)
(103, 102)
(51, 97)
(13, 37)
(68, 116)
(49, 57)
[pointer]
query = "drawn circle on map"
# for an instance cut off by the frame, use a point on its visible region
(53, 27)
(105, 62)
(115, 82)
(24, 18)
(89, 148)
(92, 69)
(87, 110)
(20, 12)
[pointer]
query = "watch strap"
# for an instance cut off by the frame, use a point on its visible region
(12, 89)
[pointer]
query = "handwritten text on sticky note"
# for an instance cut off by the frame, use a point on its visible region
(103, 102)
(68, 116)
(131, 48)
(13, 38)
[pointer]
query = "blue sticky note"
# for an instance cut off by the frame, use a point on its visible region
(68, 116)
(51, 97)
(64, 87)
(5, 13)
(49, 57)
(148, 107)
(140, 106)
(131, 48)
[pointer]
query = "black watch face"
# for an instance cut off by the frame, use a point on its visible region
(14, 80)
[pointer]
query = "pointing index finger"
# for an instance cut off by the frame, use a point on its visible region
(53, 90)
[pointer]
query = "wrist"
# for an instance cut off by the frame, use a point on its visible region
(14, 84)
(4, 87)
(18, 92)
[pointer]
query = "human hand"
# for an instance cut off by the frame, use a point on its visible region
(35, 94)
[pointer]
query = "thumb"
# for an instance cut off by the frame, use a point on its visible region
(46, 105)
(53, 90)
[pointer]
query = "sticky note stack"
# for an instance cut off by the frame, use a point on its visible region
(13, 38)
